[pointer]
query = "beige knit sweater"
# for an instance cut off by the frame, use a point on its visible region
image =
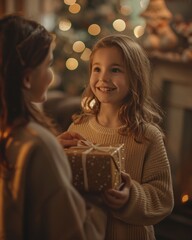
(151, 196)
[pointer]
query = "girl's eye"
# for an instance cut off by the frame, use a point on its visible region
(96, 69)
(116, 70)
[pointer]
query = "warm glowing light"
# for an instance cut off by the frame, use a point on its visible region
(144, 3)
(75, 8)
(94, 29)
(53, 77)
(86, 54)
(64, 25)
(119, 25)
(5, 134)
(91, 104)
(78, 46)
(139, 31)
(185, 198)
(72, 63)
(69, 2)
(125, 10)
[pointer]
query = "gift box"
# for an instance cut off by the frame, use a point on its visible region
(95, 168)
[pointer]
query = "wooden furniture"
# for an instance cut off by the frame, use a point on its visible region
(10, 6)
(172, 89)
(2, 7)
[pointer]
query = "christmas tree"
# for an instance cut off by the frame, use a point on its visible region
(78, 25)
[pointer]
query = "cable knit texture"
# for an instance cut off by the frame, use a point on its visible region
(151, 196)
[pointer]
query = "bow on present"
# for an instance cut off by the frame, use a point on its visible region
(91, 146)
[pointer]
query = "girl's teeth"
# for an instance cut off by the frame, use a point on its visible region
(105, 89)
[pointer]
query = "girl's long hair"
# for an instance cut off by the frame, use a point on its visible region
(24, 44)
(138, 108)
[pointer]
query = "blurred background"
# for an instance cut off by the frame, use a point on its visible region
(78, 24)
(164, 29)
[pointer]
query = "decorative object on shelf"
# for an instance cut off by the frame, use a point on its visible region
(184, 29)
(187, 53)
(158, 33)
(180, 8)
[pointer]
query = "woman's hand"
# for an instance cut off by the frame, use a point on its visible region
(69, 139)
(118, 198)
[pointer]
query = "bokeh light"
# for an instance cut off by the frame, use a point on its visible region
(94, 29)
(86, 54)
(125, 10)
(139, 31)
(78, 46)
(64, 25)
(72, 63)
(75, 8)
(119, 25)
(69, 2)
(184, 198)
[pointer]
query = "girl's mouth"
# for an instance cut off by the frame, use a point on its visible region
(105, 89)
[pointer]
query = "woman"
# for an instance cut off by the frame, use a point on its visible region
(37, 198)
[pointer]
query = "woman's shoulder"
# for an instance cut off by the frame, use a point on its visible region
(34, 138)
(37, 129)
(35, 134)
(32, 147)
(44, 137)
(38, 132)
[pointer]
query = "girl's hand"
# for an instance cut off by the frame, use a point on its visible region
(69, 139)
(118, 198)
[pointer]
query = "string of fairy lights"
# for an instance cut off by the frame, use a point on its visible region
(78, 24)
(119, 23)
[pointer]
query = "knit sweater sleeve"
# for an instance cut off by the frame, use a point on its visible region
(151, 200)
(151, 195)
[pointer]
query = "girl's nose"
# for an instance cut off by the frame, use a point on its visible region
(104, 77)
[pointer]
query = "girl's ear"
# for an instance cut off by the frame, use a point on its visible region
(27, 80)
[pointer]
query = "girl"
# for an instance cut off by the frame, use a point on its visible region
(37, 199)
(117, 108)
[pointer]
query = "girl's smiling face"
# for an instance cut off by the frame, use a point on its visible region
(108, 80)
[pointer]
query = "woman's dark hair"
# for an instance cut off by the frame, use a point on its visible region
(24, 44)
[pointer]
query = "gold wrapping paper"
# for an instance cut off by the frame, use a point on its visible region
(95, 168)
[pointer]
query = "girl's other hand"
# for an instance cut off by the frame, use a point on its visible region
(118, 198)
(69, 139)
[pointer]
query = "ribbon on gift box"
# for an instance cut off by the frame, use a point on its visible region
(91, 146)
